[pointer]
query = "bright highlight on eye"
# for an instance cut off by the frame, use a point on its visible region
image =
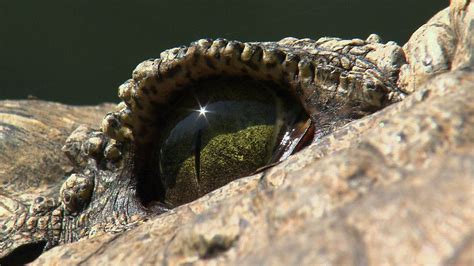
(202, 111)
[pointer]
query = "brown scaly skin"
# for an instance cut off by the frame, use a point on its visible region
(101, 195)
(391, 188)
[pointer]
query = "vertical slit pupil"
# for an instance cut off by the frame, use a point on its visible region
(197, 153)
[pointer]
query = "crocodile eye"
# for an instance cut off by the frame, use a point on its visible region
(220, 130)
(208, 113)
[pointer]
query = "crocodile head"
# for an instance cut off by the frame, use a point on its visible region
(126, 172)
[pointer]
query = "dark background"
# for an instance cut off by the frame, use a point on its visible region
(78, 52)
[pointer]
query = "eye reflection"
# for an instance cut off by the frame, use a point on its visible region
(237, 131)
(202, 111)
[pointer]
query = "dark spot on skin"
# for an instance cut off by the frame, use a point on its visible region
(280, 56)
(158, 78)
(143, 131)
(334, 76)
(283, 79)
(209, 63)
(142, 119)
(66, 255)
(342, 81)
(339, 134)
(331, 58)
(113, 122)
(188, 74)
(322, 61)
(137, 103)
(155, 123)
(244, 70)
(128, 125)
(217, 55)
(145, 90)
(67, 198)
(173, 71)
(299, 89)
(153, 89)
(144, 237)
(216, 246)
(195, 58)
(153, 103)
(252, 65)
(258, 54)
(311, 69)
(271, 65)
(156, 105)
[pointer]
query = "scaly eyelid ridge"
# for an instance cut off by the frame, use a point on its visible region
(313, 73)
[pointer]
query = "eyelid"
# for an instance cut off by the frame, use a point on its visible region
(314, 72)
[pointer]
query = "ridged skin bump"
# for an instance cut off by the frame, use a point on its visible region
(328, 70)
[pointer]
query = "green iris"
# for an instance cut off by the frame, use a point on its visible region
(219, 131)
